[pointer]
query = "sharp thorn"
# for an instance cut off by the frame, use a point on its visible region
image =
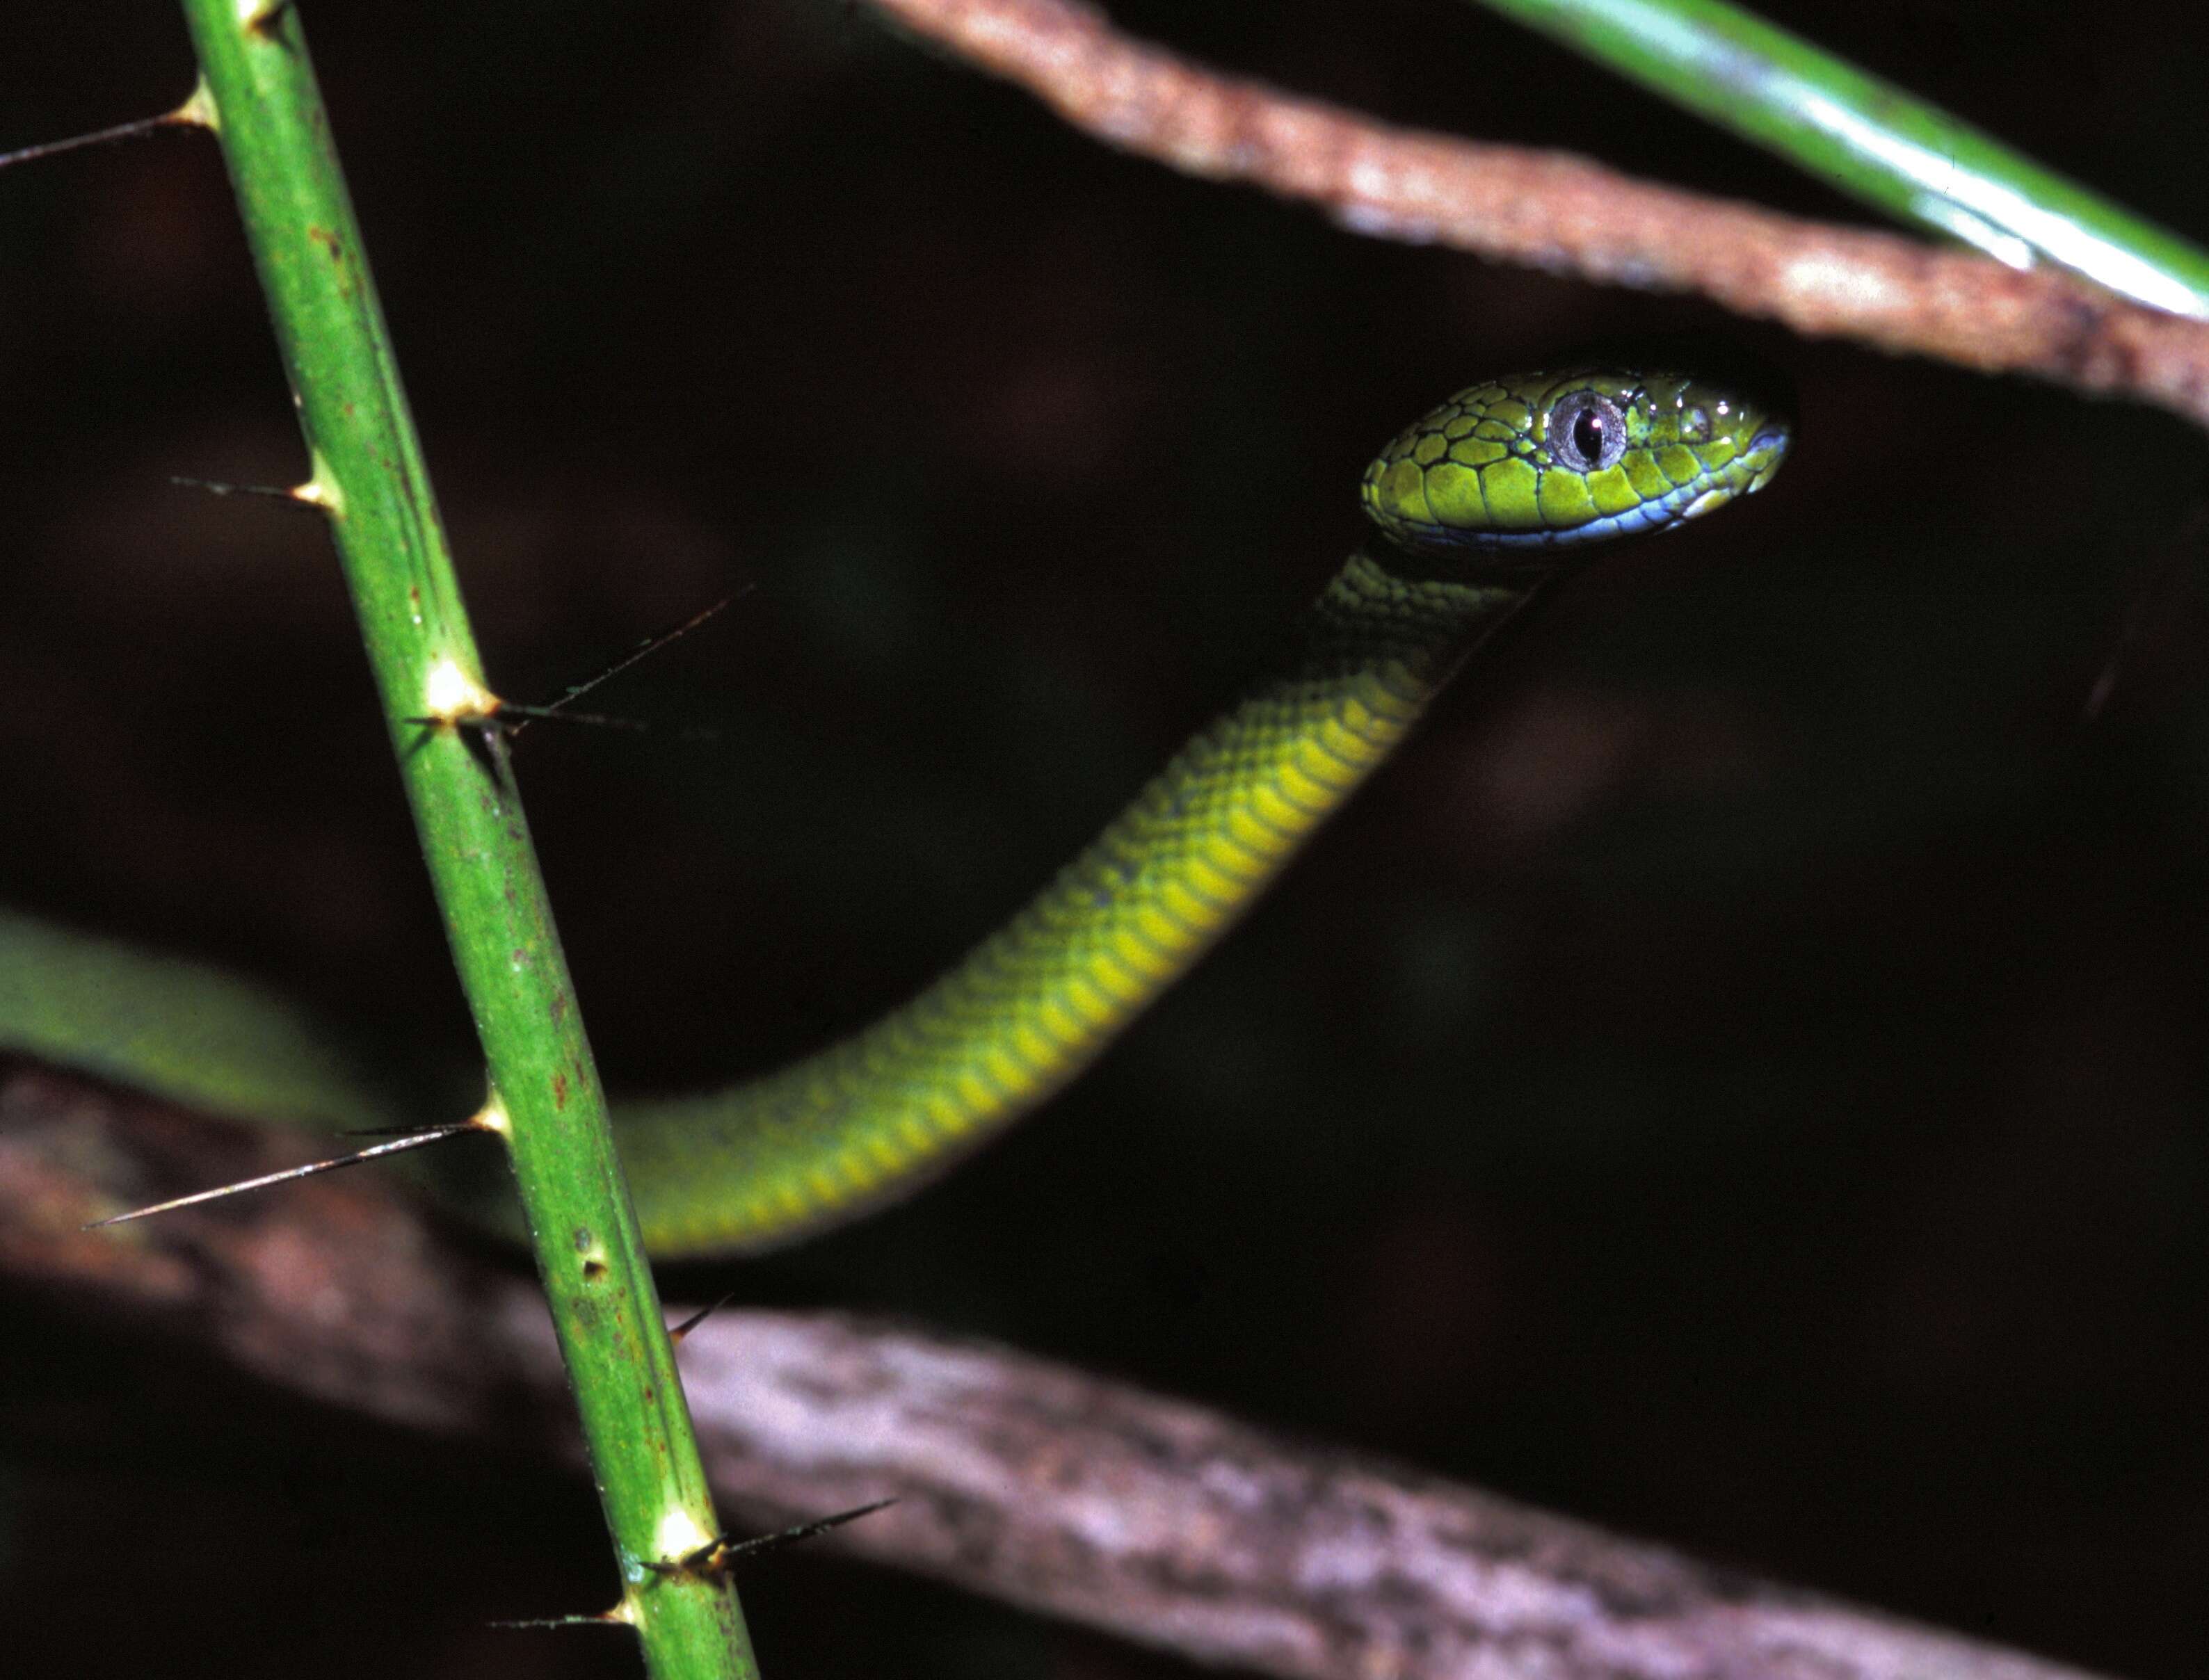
(429, 721)
(415, 1140)
(699, 1317)
(179, 118)
(643, 649)
(523, 715)
(729, 1554)
(264, 20)
(510, 716)
(718, 1556)
(304, 497)
(605, 1618)
(488, 715)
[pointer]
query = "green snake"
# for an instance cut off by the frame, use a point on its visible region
(1474, 505)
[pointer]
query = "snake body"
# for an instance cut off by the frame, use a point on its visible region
(1475, 504)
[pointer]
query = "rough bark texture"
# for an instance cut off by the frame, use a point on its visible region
(1557, 212)
(1016, 1477)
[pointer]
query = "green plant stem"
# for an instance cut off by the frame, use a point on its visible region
(258, 90)
(1874, 141)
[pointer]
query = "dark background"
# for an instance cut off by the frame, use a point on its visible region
(1738, 1078)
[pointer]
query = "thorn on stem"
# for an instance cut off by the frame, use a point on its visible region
(643, 649)
(720, 1556)
(303, 496)
(523, 715)
(605, 1618)
(264, 19)
(699, 1317)
(413, 1140)
(455, 700)
(185, 116)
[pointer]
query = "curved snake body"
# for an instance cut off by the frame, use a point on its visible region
(1478, 501)
(1476, 504)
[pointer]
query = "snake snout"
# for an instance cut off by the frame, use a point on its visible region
(1766, 451)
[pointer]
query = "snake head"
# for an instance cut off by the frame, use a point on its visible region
(1544, 460)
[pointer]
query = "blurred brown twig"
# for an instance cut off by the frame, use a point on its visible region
(1017, 1478)
(1554, 211)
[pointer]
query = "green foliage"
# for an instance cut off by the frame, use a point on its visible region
(258, 89)
(1899, 153)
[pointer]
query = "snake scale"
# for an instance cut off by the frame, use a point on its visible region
(1474, 505)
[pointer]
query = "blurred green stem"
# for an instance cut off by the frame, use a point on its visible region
(1874, 141)
(258, 91)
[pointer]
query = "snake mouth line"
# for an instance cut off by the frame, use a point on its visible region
(1773, 444)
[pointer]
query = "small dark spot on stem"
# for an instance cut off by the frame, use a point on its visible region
(594, 1269)
(584, 1240)
(559, 1090)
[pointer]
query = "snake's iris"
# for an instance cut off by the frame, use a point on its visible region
(1549, 459)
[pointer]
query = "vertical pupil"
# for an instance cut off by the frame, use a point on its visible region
(1587, 434)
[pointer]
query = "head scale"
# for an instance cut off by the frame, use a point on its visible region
(1545, 459)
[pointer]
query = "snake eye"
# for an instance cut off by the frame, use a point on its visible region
(1587, 432)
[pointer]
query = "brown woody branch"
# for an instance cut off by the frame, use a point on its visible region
(1554, 211)
(1016, 1477)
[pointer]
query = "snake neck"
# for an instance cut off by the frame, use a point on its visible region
(1386, 617)
(871, 1118)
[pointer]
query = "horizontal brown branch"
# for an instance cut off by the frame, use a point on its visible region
(1020, 1478)
(1557, 212)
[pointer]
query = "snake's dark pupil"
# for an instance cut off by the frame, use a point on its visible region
(1587, 434)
